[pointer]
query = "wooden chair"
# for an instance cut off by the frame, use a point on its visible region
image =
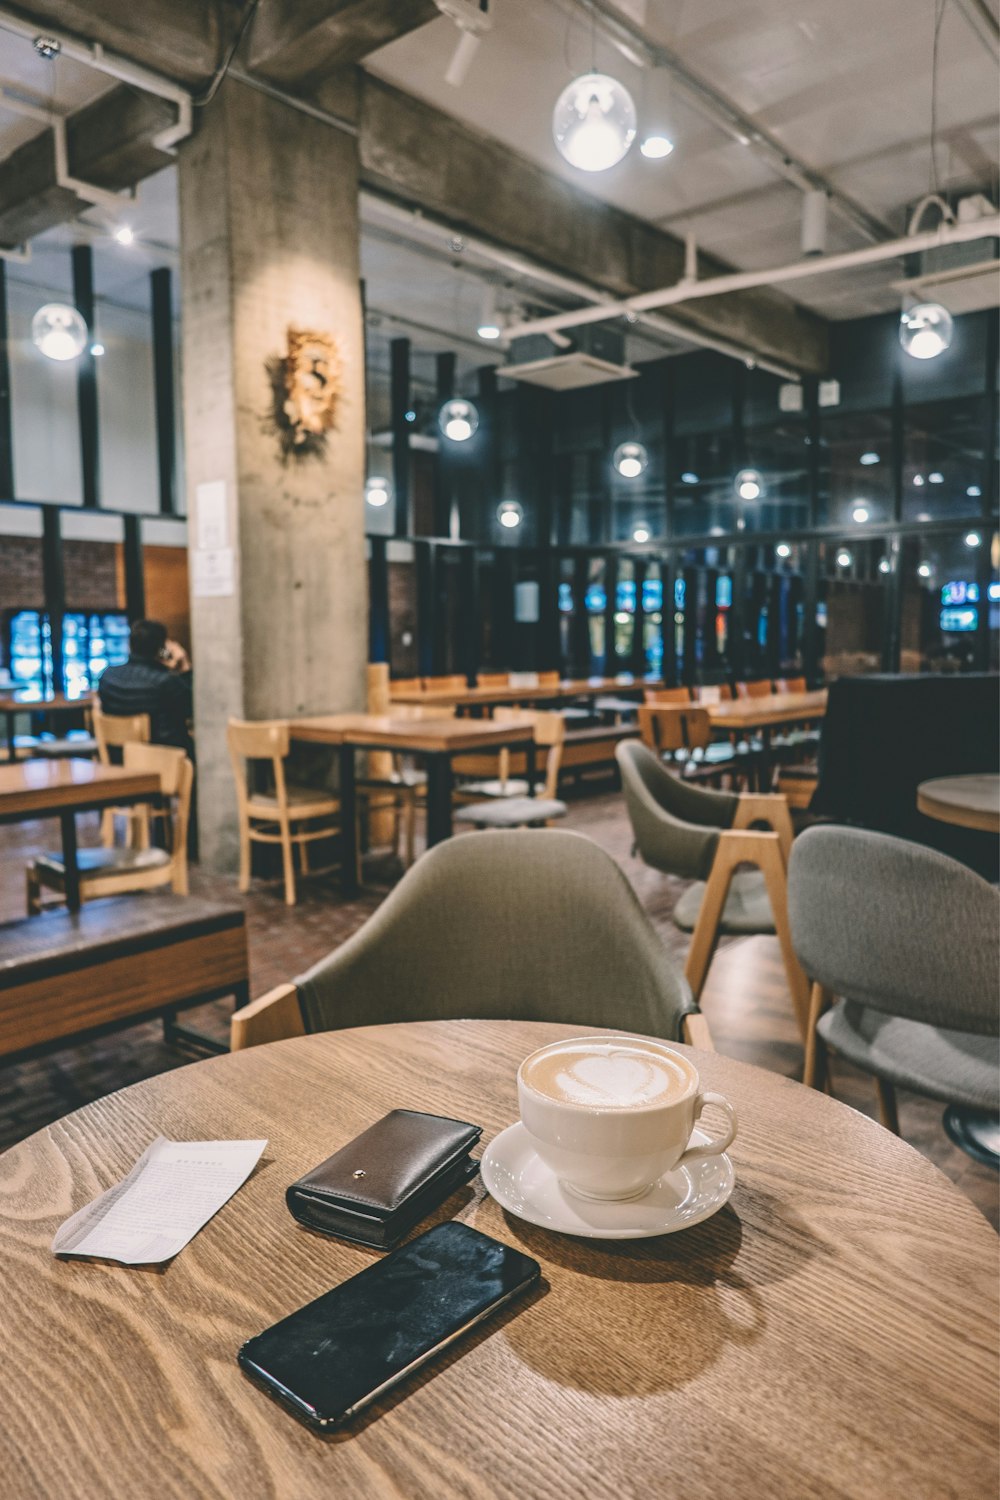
(703, 836)
(683, 736)
(664, 696)
(549, 679)
(761, 688)
(493, 770)
(791, 685)
(529, 925)
(492, 679)
(518, 809)
(404, 684)
(116, 870)
(395, 782)
(114, 732)
(276, 817)
(454, 683)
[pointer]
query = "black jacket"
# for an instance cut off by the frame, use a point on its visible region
(148, 687)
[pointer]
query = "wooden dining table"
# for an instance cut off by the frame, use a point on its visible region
(64, 788)
(472, 698)
(436, 741)
(762, 715)
(831, 1332)
(965, 801)
(58, 704)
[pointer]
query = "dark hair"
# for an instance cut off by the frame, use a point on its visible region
(147, 639)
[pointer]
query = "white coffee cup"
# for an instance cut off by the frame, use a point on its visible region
(609, 1115)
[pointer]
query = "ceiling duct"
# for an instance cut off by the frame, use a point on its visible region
(597, 357)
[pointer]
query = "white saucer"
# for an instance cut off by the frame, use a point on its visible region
(516, 1177)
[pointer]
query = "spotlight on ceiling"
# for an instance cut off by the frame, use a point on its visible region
(749, 485)
(869, 458)
(783, 549)
(924, 570)
(844, 559)
(973, 539)
(458, 420)
(510, 514)
(630, 459)
(656, 146)
(593, 123)
(59, 331)
(884, 565)
(377, 491)
(925, 331)
(640, 534)
(489, 322)
(125, 234)
(860, 514)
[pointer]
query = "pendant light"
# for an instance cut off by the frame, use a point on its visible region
(749, 485)
(630, 459)
(59, 331)
(378, 492)
(594, 122)
(925, 331)
(458, 420)
(510, 514)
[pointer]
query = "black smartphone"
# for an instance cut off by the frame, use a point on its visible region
(337, 1354)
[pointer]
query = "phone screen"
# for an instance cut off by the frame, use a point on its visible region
(338, 1353)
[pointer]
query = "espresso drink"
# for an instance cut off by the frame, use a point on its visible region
(606, 1076)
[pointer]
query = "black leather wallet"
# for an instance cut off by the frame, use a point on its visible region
(376, 1188)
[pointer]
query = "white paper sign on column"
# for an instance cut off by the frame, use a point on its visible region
(212, 573)
(212, 520)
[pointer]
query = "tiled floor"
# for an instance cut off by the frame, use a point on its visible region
(745, 999)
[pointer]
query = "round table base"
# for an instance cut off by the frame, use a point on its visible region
(975, 1131)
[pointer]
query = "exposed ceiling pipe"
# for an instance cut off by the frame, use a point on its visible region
(643, 52)
(88, 191)
(741, 281)
(528, 270)
(93, 55)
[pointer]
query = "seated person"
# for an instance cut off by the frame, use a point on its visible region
(156, 680)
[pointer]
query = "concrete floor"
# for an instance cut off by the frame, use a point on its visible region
(745, 999)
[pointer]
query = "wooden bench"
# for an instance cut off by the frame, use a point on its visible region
(593, 748)
(73, 975)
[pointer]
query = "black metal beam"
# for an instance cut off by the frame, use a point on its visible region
(54, 588)
(468, 609)
(399, 405)
(426, 564)
(6, 422)
(86, 377)
(163, 384)
(445, 505)
(135, 580)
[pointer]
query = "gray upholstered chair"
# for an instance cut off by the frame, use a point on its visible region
(702, 836)
(910, 941)
(529, 925)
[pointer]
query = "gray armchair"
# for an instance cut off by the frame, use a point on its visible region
(910, 940)
(702, 836)
(527, 925)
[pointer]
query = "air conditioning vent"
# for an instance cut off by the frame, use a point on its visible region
(568, 372)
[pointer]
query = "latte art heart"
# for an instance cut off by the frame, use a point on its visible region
(605, 1077)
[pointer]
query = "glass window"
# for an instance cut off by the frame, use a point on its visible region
(703, 599)
(567, 607)
(773, 614)
(28, 652)
(595, 604)
(943, 460)
(855, 469)
(652, 619)
(851, 605)
(778, 456)
(939, 584)
(625, 610)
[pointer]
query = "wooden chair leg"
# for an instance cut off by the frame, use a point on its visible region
(706, 931)
(288, 863)
(815, 1075)
(887, 1112)
(410, 825)
(772, 866)
(33, 892)
(244, 855)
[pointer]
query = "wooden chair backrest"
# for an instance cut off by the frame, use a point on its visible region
(674, 728)
(447, 684)
(176, 774)
(759, 689)
(117, 730)
(265, 739)
(421, 710)
(549, 679)
(667, 695)
(492, 679)
(549, 731)
(405, 685)
(791, 685)
(377, 685)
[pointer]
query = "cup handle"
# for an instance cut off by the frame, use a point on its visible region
(716, 1147)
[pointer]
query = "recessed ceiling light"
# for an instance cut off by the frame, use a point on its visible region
(936, 477)
(655, 147)
(918, 480)
(869, 458)
(973, 492)
(688, 477)
(124, 234)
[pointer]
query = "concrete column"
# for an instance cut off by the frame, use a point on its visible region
(269, 241)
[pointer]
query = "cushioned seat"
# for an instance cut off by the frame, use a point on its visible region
(303, 802)
(511, 812)
(114, 861)
(747, 907)
(946, 1065)
(494, 788)
(72, 744)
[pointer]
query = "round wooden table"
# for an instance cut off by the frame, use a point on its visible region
(832, 1331)
(967, 801)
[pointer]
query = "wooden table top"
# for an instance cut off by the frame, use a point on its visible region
(396, 732)
(831, 1332)
(584, 687)
(58, 703)
(42, 787)
(765, 713)
(967, 801)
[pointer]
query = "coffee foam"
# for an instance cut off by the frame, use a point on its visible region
(607, 1077)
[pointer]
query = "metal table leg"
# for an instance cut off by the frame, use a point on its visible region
(350, 875)
(439, 781)
(529, 753)
(71, 872)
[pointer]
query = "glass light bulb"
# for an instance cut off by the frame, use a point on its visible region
(630, 459)
(688, 477)
(377, 491)
(843, 559)
(510, 514)
(749, 485)
(935, 478)
(869, 458)
(926, 330)
(884, 565)
(59, 331)
(593, 123)
(973, 539)
(924, 570)
(641, 534)
(458, 420)
(859, 514)
(973, 492)
(783, 549)
(655, 147)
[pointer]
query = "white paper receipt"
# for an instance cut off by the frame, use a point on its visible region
(172, 1191)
